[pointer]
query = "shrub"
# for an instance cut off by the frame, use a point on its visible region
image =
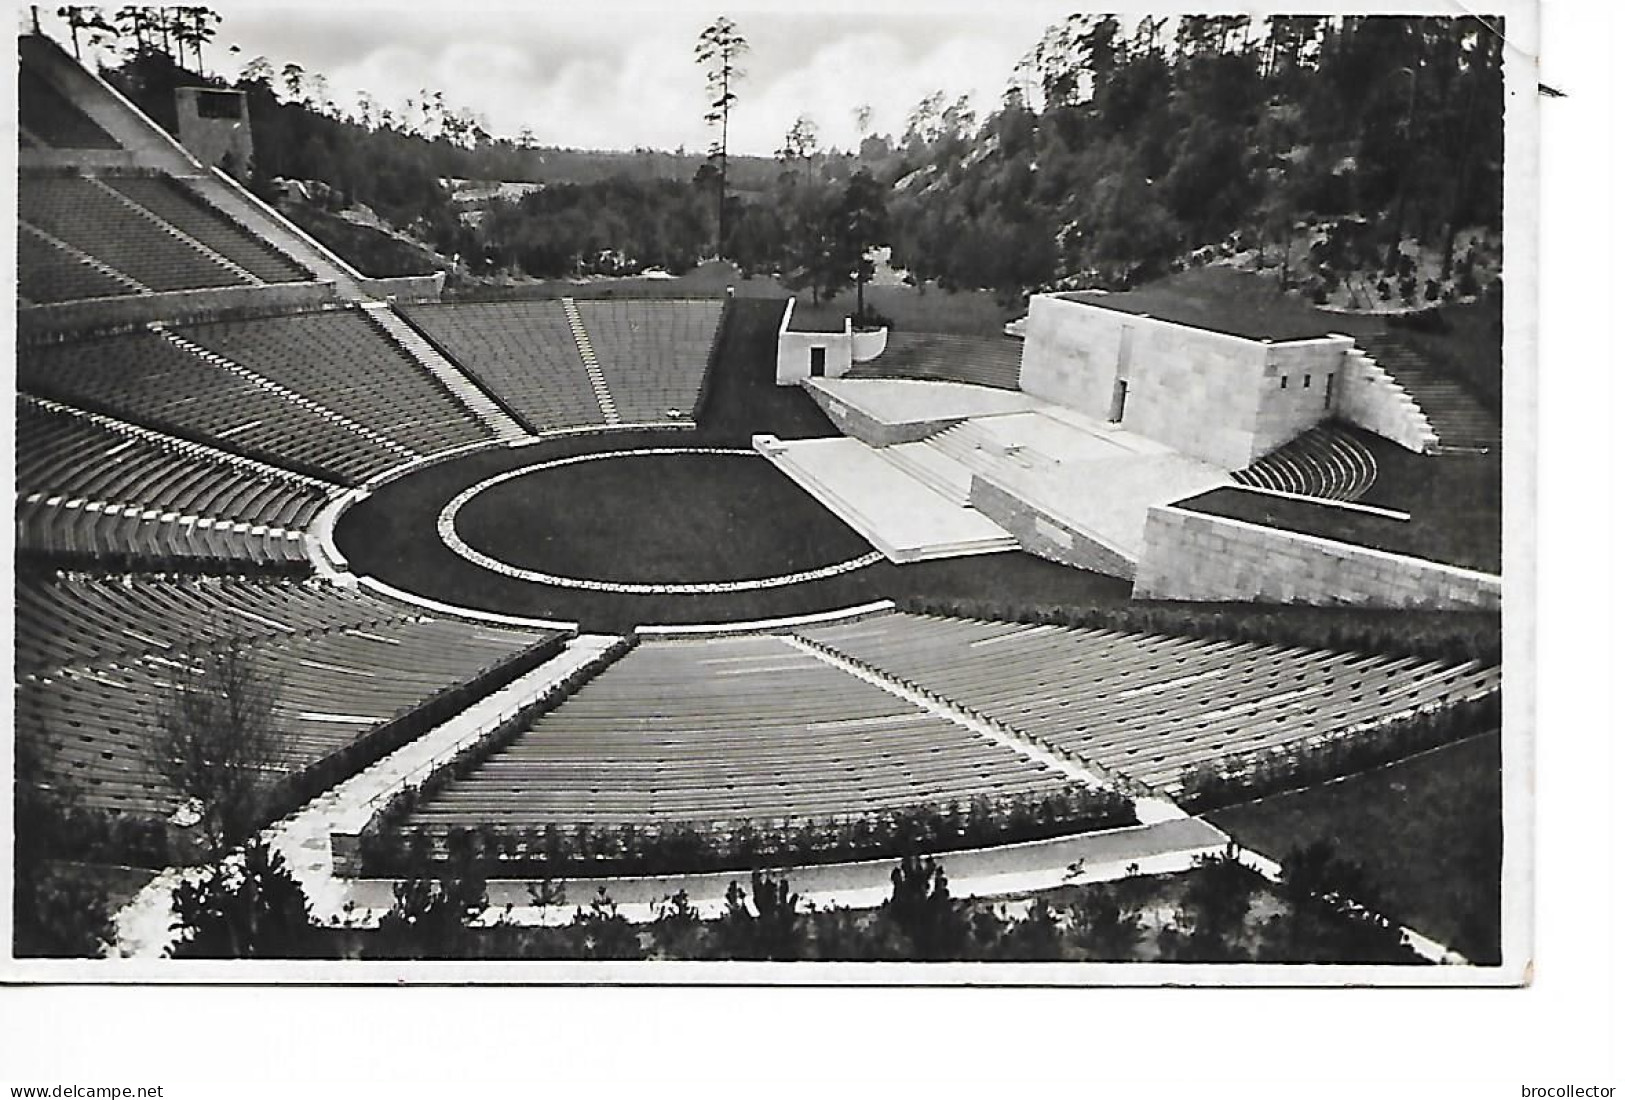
(744, 843)
(1243, 776)
(247, 906)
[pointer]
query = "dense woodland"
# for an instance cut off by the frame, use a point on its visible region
(1119, 152)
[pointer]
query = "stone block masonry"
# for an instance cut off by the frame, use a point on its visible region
(1044, 535)
(1192, 556)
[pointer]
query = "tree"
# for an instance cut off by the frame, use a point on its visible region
(293, 79)
(217, 742)
(604, 933)
(862, 228)
(91, 20)
(801, 143)
(247, 906)
(924, 911)
(57, 915)
(1109, 930)
(718, 50)
(677, 930)
(194, 27)
(771, 932)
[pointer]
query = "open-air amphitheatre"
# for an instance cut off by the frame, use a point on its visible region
(649, 587)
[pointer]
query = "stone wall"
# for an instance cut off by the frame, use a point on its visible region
(41, 322)
(1369, 397)
(1211, 395)
(214, 140)
(867, 345)
(854, 422)
(795, 351)
(1191, 556)
(1043, 534)
(1286, 406)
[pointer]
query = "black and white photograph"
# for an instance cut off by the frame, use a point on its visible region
(893, 495)
(705, 501)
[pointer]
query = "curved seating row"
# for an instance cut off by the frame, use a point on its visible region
(84, 487)
(48, 271)
(653, 353)
(93, 722)
(339, 359)
(1145, 705)
(728, 728)
(89, 216)
(47, 116)
(524, 352)
(1325, 462)
(190, 214)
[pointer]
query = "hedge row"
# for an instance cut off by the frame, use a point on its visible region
(99, 564)
(1452, 636)
(1244, 776)
(737, 844)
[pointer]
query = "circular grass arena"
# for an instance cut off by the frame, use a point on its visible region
(580, 529)
(655, 519)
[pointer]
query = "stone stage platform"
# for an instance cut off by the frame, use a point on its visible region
(1049, 479)
(902, 518)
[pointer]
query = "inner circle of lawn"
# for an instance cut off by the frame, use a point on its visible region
(663, 517)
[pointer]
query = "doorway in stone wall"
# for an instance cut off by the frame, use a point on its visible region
(1119, 399)
(818, 362)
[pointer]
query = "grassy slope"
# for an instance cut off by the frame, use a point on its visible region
(1427, 830)
(1225, 299)
(1465, 342)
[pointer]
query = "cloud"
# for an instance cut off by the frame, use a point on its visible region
(613, 76)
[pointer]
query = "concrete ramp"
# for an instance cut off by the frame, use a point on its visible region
(902, 517)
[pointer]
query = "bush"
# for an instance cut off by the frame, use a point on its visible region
(392, 848)
(1451, 636)
(247, 906)
(1244, 776)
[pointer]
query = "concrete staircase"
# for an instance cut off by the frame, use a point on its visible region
(1324, 462)
(455, 382)
(970, 446)
(933, 467)
(600, 387)
(882, 502)
(1371, 398)
(1457, 418)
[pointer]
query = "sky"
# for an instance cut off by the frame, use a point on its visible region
(618, 75)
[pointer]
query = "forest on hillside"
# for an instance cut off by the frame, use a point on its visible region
(1328, 149)
(1119, 150)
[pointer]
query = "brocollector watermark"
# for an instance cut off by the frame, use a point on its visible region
(1566, 1092)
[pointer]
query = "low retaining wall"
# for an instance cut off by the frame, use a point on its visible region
(859, 425)
(207, 304)
(1045, 535)
(406, 288)
(1192, 556)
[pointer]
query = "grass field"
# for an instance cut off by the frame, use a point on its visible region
(1465, 340)
(914, 309)
(672, 518)
(1454, 502)
(1225, 299)
(1427, 830)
